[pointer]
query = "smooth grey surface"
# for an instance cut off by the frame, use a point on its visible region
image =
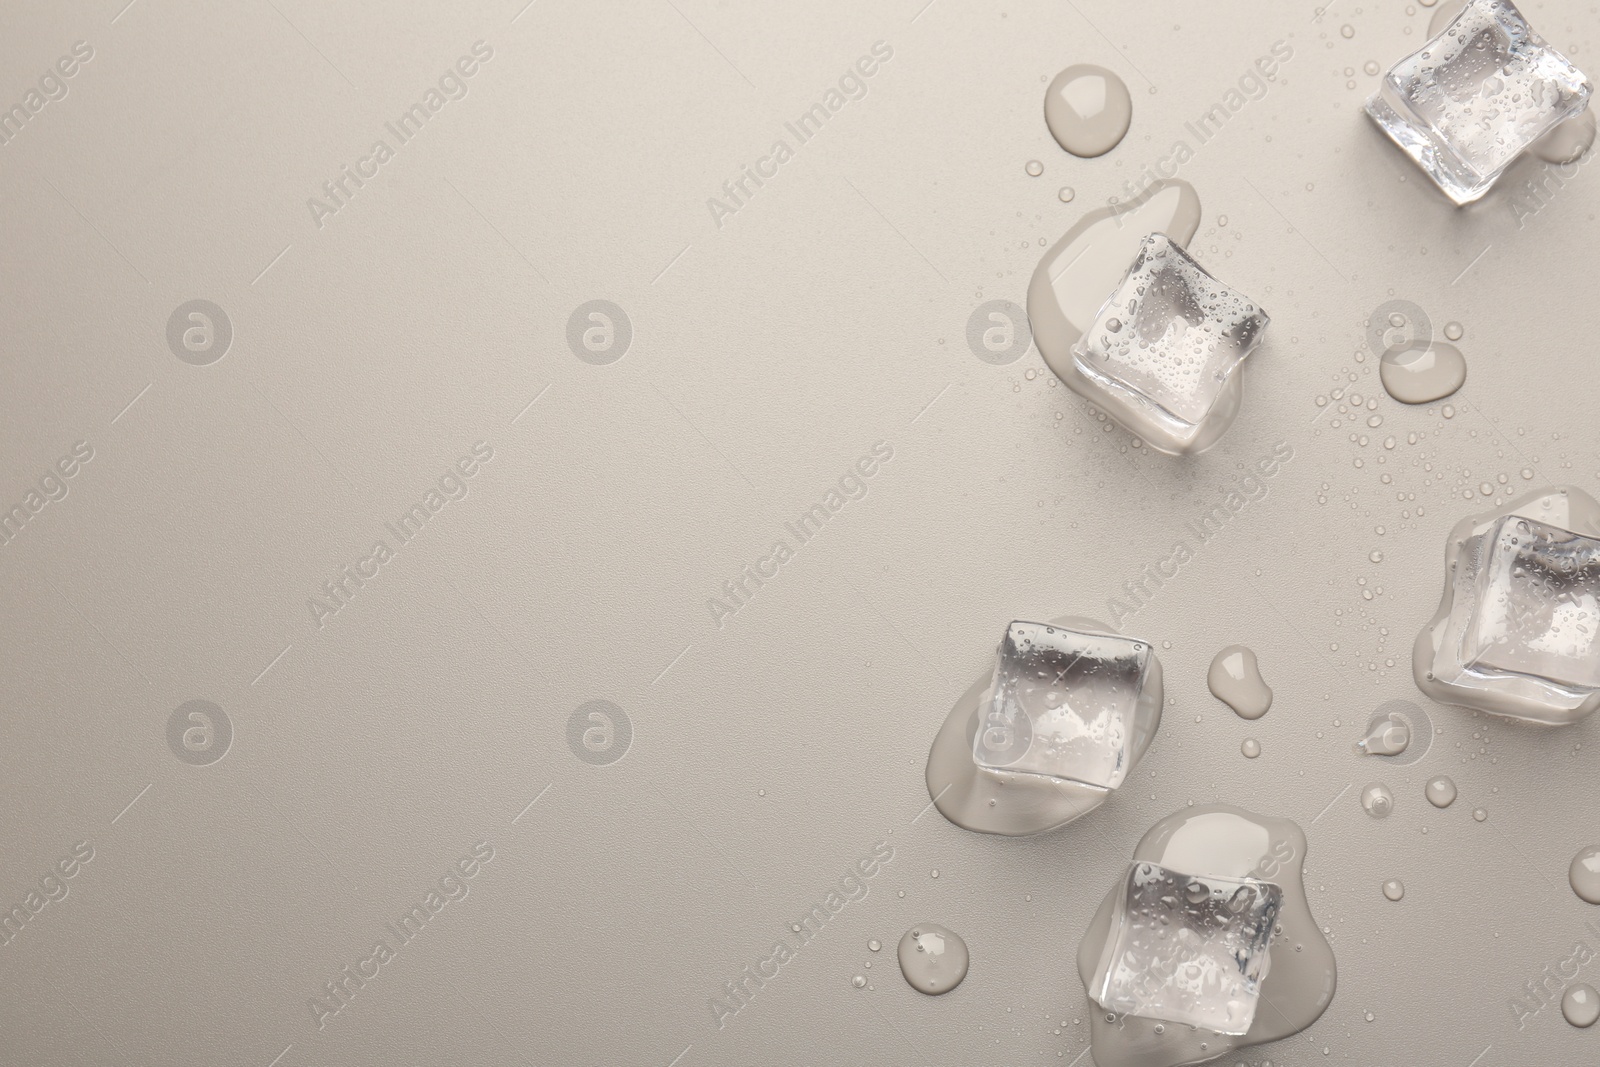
(766, 356)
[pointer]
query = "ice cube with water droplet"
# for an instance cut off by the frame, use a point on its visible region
(1518, 632)
(1064, 703)
(1472, 99)
(1165, 343)
(1188, 949)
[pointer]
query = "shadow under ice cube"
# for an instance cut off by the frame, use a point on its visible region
(1064, 704)
(1165, 343)
(1473, 98)
(1188, 949)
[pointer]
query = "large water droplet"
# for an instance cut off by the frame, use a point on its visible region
(1580, 1005)
(1420, 372)
(1235, 679)
(1584, 874)
(1377, 801)
(1088, 110)
(933, 958)
(1441, 791)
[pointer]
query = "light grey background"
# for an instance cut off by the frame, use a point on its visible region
(767, 355)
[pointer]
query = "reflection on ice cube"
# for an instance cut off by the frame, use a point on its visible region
(1165, 343)
(1188, 949)
(1518, 632)
(1476, 96)
(1064, 703)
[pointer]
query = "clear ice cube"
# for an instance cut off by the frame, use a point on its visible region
(1473, 98)
(1188, 949)
(1536, 605)
(1167, 340)
(1064, 704)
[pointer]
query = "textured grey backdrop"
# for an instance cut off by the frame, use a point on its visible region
(411, 332)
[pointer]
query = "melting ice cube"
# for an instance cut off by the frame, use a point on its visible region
(1188, 949)
(1166, 341)
(1473, 98)
(1518, 632)
(1065, 704)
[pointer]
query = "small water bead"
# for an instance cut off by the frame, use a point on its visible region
(1371, 66)
(1580, 1005)
(1584, 874)
(1376, 557)
(1394, 889)
(1034, 168)
(1453, 331)
(934, 873)
(1440, 791)
(1066, 194)
(874, 945)
(1347, 31)
(1448, 411)
(1479, 814)
(1251, 748)
(1377, 801)
(859, 981)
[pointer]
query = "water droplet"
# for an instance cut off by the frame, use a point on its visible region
(1479, 814)
(1065, 194)
(1347, 31)
(1087, 109)
(1235, 679)
(1394, 889)
(934, 873)
(1034, 168)
(1420, 372)
(1584, 874)
(859, 981)
(1440, 791)
(1387, 735)
(1250, 747)
(1376, 556)
(1377, 801)
(874, 945)
(933, 959)
(1453, 331)
(1580, 1005)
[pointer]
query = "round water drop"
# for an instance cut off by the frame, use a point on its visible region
(1441, 791)
(1453, 331)
(1088, 110)
(1034, 168)
(1377, 801)
(1235, 679)
(1584, 874)
(859, 981)
(1479, 814)
(1394, 889)
(1568, 142)
(1420, 372)
(1066, 194)
(1580, 1005)
(1251, 748)
(874, 945)
(933, 959)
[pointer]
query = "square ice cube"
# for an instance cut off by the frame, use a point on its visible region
(1536, 604)
(1063, 703)
(1475, 96)
(1169, 337)
(1188, 949)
